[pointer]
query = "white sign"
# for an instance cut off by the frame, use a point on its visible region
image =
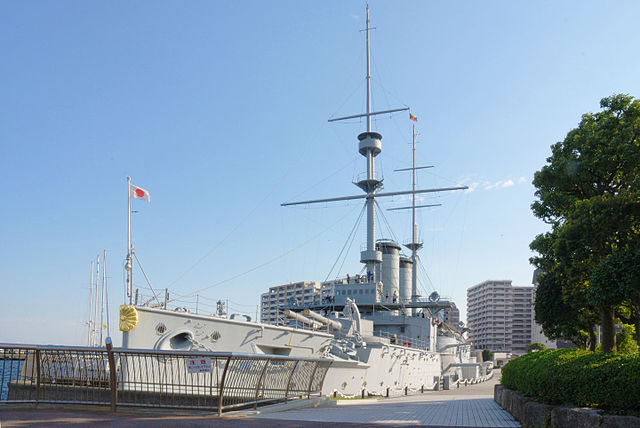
(199, 365)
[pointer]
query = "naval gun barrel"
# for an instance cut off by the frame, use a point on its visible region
(336, 325)
(296, 316)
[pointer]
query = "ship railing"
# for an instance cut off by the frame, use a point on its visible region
(118, 377)
(410, 342)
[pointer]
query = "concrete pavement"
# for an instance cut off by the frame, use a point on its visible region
(470, 406)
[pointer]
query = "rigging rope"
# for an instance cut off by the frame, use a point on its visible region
(386, 222)
(145, 277)
(303, 152)
(349, 241)
(267, 262)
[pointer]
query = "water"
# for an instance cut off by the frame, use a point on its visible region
(9, 370)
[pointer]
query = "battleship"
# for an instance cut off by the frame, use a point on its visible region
(379, 333)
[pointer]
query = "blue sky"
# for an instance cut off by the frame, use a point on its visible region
(219, 110)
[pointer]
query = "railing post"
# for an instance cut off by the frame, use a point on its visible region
(113, 378)
(37, 377)
(221, 388)
(313, 374)
(286, 393)
(264, 369)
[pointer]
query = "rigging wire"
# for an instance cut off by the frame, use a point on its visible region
(277, 184)
(266, 262)
(145, 277)
(426, 274)
(334, 173)
(386, 222)
(349, 240)
(385, 92)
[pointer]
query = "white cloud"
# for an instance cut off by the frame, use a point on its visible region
(501, 184)
(472, 186)
(522, 180)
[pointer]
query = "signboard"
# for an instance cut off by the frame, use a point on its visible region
(199, 365)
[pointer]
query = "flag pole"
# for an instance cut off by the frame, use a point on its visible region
(129, 263)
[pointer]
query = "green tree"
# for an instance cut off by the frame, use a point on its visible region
(487, 355)
(561, 307)
(591, 175)
(621, 268)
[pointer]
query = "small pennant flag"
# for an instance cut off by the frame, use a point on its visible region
(136, 192)
(412, 117)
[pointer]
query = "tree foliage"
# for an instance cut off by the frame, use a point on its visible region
(589, 193)
(535, 347)
(627, 344)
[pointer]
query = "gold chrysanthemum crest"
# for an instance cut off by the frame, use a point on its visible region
(128, 317)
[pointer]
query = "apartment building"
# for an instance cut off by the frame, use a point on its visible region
(499, 316)
(300, 293)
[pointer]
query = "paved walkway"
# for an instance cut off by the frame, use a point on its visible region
(470, 406)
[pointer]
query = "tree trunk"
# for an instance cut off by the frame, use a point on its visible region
(608, 328)
(593, 341)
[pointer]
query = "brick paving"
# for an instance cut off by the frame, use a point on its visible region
(467, 406)
(470, 406)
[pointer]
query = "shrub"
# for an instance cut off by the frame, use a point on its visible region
(626, 342)
(534, 347)
(487, 355)
(577, 377)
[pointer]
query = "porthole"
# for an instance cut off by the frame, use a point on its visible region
(161, 329)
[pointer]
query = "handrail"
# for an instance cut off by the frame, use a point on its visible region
(119, 377)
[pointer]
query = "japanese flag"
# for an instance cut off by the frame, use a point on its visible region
(136, 192)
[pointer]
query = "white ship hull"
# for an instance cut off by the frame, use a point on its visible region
(375, 368)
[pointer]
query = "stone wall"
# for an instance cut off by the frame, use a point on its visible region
(536, 415)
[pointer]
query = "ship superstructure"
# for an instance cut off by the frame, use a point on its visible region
(379, 333)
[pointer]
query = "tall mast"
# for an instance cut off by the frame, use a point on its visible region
(368, 75)
(370, 146)
(415, 245)
(90, 305)
(104, 284)
(95, 305)
(129, 264)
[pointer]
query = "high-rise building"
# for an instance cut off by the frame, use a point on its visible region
(499, 316)
(300, 293)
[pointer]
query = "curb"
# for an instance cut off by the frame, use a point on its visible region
(532, 414)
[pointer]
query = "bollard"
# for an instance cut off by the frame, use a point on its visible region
(113, 381)
(422, 389)
(406, 390)
(335, 394)
(362, 392)
(387, 392)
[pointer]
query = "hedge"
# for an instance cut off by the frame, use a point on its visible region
(577, 377)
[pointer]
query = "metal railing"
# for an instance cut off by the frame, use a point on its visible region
(398, 339)
(115, 377)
